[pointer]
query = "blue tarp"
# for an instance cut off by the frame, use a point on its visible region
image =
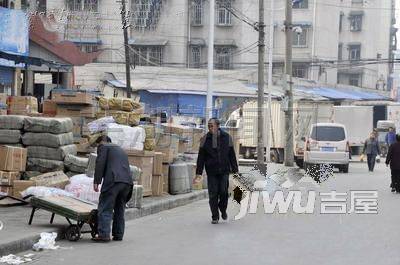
(341, 94)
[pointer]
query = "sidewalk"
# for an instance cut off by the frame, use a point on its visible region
(17, 236)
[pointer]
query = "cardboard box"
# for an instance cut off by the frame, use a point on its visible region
(12, 158)
(76, 111)
(157, 185)
(3, 112)
(158, 163)
(21, 185)
(168, 144)
(55, 179)
(7, 189)
(72, 97)
(7, 178)
(144, 161)
(165, 175)
(22, 103)
(49, 108)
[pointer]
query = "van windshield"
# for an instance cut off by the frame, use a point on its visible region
(328, 133)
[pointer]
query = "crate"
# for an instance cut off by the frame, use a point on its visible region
(157, 185)
(143, 160)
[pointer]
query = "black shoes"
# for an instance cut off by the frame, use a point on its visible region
(101, 239)
(214, 222)
(224, 216)
(117, 239)
(393, 189)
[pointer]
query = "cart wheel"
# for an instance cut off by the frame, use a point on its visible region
(93, 233)
(73, 233)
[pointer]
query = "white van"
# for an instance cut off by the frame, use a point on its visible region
(327, 144)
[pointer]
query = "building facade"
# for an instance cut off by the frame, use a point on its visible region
(346, 42)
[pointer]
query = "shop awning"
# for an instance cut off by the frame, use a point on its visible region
(341, 94)
(32, 61)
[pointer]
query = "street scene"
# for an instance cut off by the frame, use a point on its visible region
(199, 131)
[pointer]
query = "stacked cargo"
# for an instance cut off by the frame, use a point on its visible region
(12, 163)
(150, 141)
(3, 104)
(125, 111)
(21, 105)
(49, 141)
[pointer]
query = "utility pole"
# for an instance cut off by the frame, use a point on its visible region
(260, 105)
(125, 26)
(270, 61)
(289, 152)
(210, 63)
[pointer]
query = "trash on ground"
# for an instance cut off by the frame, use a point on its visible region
(46, 241)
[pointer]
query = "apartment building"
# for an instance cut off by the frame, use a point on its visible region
(335, 41)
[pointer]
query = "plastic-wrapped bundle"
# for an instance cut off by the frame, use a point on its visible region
(12, 122)
(91, 165)
(51, 153)
(76, 164)
(81, 186)
(137, 197)
(44, 165)
(48, 125)
(100, 125)
(48, 139)
(121, 117)
(44, 191)
(125, 136)
(10, 136)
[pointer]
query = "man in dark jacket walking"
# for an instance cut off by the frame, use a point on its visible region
(393, 158)
(217, 155)
(371, 149)
(113, 172)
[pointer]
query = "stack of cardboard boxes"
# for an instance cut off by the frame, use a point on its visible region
(12, 163)
(21, 105)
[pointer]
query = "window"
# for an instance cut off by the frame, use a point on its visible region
(147, 55)
(354, 52)
(300, 4)
(88, 48)
(223, 57)
(328, 133)
(197, 12)
(354, 79)
(4, 3)
(300, 39)
(82, 5)
(341, 21)
(195, 56)
(145, 14)
(300, 70)
(340, 51)
(355, 22)
(224, 17)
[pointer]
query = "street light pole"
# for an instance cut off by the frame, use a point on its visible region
(270, 61)
(260, 105)
(127, 55)
(210, 62)
(289, 152)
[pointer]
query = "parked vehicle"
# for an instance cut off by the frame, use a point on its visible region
(305, 114)
(358, 121)
(327, 143)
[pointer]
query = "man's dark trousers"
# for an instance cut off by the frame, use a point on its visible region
(113, 199)
(396, 179)
(218, 193)
(371, 161)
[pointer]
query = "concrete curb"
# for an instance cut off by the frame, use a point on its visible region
(153, 207)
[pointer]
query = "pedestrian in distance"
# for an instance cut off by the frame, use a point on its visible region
(393, 159)
(371, 149)
(113, 172)
(217, 155)
(390, 137)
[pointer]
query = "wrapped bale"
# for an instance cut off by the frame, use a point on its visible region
(91, 165)
(137, 197)
(150, 130)
(30, 174)
(76, 164)
(125, 104)
(70, 174)
(44, 165)
(51, 153)
(47, 139)
(149, 144)
(10, 136)
(100, 125)
(121, 117)
(12, 122)
(48, 125)
(126, 137)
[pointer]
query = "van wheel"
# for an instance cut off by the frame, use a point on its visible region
(345, 168)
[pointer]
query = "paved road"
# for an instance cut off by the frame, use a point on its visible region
(185, 235)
